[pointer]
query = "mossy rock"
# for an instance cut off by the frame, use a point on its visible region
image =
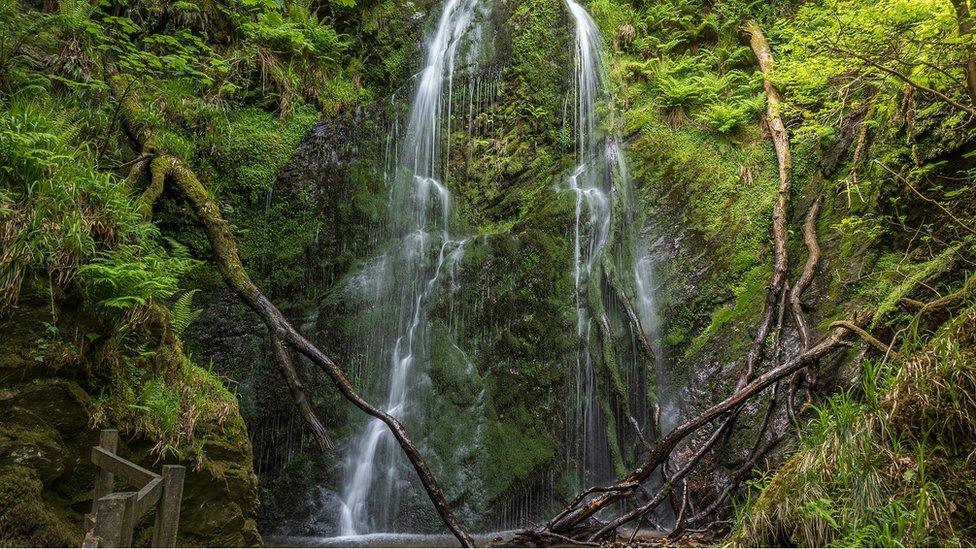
(26, 518)
(48, 417)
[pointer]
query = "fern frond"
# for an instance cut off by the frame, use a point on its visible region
(182, 313)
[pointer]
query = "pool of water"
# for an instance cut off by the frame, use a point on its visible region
(384, 540)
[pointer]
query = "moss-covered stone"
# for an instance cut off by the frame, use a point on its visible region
(50, 414)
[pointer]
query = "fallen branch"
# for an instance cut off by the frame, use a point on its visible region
(162, 166)
(737, 478)
(968, 288)
(775, 296)
(620, 487)
(567, 521)
(669, 483)
(290, 373)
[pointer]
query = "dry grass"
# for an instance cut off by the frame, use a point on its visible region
(889, 464)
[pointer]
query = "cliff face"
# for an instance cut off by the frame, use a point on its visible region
(705, 175)
(292, 115)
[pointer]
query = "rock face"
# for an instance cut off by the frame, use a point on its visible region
(49, 403)
(502, 380)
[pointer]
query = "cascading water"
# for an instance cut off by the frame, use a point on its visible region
(405, 294)
(603, 193)
(589, 184)
(425, 252)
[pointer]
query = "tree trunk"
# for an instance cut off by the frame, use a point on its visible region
(965, 21)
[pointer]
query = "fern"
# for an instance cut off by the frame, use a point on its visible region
(182, 314)
(127, 276)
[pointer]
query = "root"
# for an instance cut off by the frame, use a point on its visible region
(868, 338)
(777, 130)
(813, 258)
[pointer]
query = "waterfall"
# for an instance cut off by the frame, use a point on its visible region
(602, 187)
(425, 252)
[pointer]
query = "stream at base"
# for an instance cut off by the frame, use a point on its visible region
(487, 539)
(386, 540)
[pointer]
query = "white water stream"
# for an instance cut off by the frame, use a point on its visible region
(601, 184)
(426, 251)
(420, 206)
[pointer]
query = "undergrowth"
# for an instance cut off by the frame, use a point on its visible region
(888, 463)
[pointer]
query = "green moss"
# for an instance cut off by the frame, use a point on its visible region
(25, 521)
(510, 162)
(749, 298)
(514, 451)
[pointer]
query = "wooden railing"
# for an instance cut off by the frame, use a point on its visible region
(115, 514)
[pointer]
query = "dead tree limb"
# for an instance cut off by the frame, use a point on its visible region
(287, 366)
(796, 305)
(619, 487)
(775, 296)
(813, 258)
(160, 168)
(224, 247)
(669, 483)
(737, 478)
(949, 300)
(721, 432)
(968, 288)
(567, 521)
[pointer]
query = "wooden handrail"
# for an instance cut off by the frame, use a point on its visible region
(149, 496)
(114, 515)
(124, 469)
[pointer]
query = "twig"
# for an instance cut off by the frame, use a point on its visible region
(927, 199)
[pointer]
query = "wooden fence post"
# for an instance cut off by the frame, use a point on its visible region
(108, 440)
(112, 513)
(168, 510)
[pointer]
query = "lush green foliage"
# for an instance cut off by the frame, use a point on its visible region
(886, 464)
(64, 217)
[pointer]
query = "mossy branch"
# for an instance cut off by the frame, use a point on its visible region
(224, 248)
(863, 334)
